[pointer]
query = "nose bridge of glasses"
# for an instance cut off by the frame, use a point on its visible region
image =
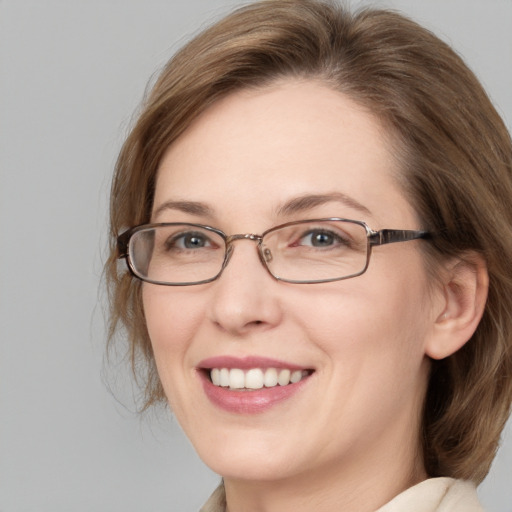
(264, 255)
(243, 236)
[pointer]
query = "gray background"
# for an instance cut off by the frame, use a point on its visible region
(72, 72)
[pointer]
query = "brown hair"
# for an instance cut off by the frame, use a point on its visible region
(452, 146)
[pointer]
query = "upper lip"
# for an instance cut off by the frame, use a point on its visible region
(246, 363)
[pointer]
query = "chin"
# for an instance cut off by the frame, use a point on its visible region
(251, 469)
(247, 456)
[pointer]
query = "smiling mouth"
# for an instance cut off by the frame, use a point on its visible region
(255, 378)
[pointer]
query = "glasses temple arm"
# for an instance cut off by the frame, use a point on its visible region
(390, 236)
(122, 244)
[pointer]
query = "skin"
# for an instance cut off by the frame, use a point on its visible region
(350, 437)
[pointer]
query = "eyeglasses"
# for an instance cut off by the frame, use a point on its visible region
(301, 252)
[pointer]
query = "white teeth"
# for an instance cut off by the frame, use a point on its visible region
(224, 377)
(296, 376)
(236, 378)
(284, 377)
(255, 378)
(215, 376)
(270, 380)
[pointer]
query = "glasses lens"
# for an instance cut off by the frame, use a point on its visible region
(176, 254)
(316, 250)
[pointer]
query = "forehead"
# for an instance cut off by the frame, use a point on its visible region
(255, 150)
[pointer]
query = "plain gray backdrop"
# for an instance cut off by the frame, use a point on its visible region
(72, 73)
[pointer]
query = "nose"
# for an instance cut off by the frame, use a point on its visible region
(245, 297)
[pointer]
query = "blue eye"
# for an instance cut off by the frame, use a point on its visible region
(190, 240)
(321, 238)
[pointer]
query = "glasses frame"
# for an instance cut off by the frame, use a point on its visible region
(374, 238)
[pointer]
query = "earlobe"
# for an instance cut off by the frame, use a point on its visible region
(464, 293)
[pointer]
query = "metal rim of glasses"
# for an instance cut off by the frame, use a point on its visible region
(380, 237)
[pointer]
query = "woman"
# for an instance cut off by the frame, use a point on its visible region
(276, 153)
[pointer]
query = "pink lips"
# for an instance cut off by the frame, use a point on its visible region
(247, 401)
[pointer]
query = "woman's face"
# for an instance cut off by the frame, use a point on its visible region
(358, 344)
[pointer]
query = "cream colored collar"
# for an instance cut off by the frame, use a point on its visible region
(432, 495)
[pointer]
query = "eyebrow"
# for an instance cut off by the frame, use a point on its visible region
(293, 206)
(190, 207)
(310, 201)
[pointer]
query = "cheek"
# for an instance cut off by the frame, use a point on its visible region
(366, 321)
(373, 339)
(171, 316)
(172, 322)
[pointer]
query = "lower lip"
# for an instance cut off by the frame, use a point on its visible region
(249, 401)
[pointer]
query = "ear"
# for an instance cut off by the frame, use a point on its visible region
(464, 287)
